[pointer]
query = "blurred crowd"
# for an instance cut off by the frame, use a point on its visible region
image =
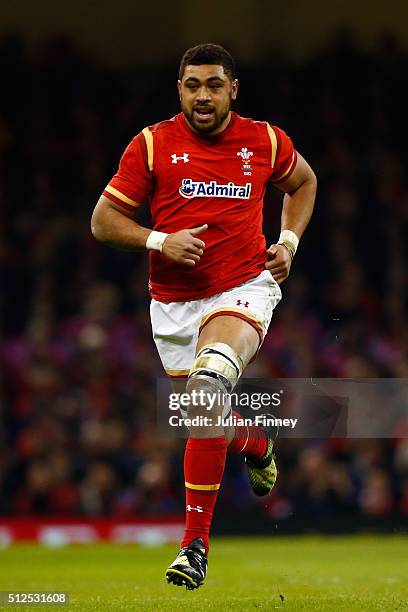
(78, 365)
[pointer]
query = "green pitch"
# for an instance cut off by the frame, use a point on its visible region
(297, 573)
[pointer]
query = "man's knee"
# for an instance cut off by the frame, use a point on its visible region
(205, 398)
(217, 363)
(214, 374)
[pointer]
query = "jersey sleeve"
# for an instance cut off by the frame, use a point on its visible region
(132, 183)
(285, 158)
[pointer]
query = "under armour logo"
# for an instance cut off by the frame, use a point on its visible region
(176, 158)
(239, 303)
(196, 508)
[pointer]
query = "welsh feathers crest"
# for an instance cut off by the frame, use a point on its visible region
(245, 154)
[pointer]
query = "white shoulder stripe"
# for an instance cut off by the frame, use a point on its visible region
(274, 144)
(149, 144)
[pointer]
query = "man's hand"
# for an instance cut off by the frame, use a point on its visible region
(279, 262)
(183, 247)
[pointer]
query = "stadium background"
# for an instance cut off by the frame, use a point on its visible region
(78, 365)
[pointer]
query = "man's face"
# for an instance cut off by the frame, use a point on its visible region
(206, 94)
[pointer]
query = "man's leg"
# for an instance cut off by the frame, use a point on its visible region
(248, 440)
(225, 347)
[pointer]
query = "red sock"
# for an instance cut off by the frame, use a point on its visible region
(249, 440)
(204, 462)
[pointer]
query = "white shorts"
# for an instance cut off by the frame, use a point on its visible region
(177, 325)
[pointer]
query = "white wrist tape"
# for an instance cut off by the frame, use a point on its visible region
(289, 240)
(155, 241)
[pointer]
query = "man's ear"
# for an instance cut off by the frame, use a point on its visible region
(179, 88)
(235, 86)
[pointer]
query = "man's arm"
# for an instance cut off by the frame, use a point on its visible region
(298, 203)
(112, 225)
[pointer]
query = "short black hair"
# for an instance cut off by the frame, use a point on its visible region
(208, 53)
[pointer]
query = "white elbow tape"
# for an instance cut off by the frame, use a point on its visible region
(155, 241)
(289, 240)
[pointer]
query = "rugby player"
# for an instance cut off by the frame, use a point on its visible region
(214, 283)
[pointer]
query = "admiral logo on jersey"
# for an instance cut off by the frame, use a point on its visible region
(200, 189)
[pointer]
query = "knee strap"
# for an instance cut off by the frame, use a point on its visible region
(220, 363)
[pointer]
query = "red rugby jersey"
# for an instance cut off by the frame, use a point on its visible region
(190, 179)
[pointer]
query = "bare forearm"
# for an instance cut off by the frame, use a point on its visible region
(117, 230)
(114, 227)
(298, 207)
